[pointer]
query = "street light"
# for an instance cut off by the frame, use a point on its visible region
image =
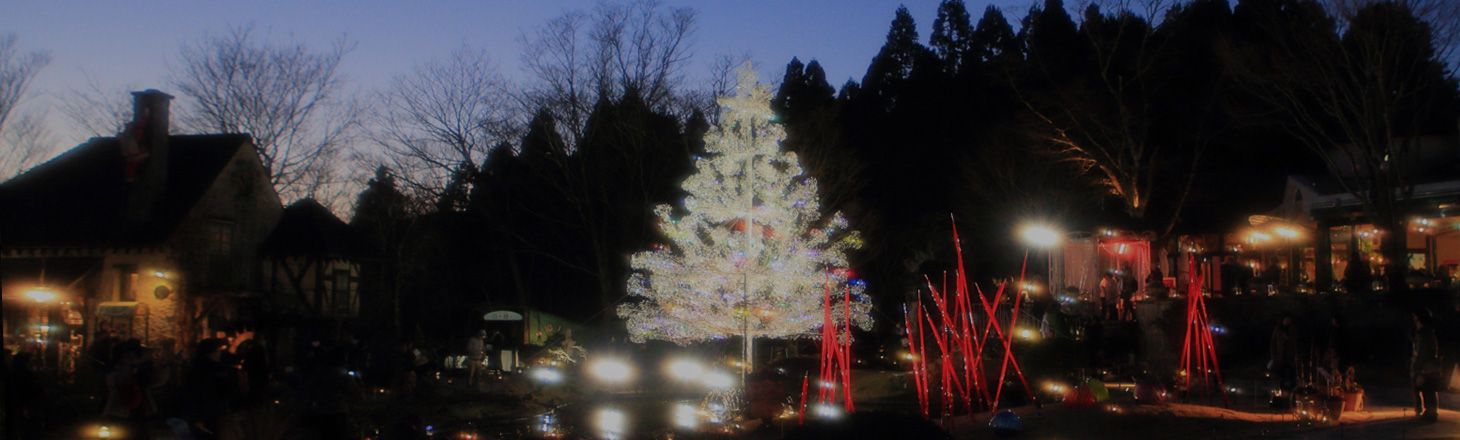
(612, 370)
(1040, 235)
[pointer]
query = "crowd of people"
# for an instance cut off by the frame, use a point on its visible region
(220, 385)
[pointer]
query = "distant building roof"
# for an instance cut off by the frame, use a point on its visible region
(80, 197)
(308, 228)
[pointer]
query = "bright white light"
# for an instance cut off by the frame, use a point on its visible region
(548, 375)
(686, 370)
(40, 294)
(827, 385)
(1041, 235)
(827, 412)
(612, 370)
(611, 422)
(1026, 334)
(685, 416)
(719, 380)
(1286, 232)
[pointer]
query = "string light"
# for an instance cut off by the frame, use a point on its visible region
(750, 237)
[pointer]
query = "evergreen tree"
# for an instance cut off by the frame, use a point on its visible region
(952, 37)
(749, 251)
(894, 64)
(993, 38)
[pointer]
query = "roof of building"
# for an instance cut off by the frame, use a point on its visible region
(308, 228)
(79, 197)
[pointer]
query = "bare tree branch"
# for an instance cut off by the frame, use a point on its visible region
(98, 110)
(290, 98)
(24, 144)
(445, 113)
(579, 57)
(23, 138)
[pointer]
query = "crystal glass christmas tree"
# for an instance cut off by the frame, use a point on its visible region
(749, 252)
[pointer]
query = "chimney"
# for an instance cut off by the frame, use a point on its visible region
(144, 147)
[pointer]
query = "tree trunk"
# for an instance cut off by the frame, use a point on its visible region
(1395, 249)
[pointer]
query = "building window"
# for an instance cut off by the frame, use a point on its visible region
(126, 282)
(340, 297)
(219, 237)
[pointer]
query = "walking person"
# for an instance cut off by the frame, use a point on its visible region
(1425, 367)
(1109, 296)
(129, 401)
(210, 386)
(476, 357)
(1284, 351)
(1128, 287)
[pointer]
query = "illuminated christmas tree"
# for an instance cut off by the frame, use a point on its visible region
(750, 253)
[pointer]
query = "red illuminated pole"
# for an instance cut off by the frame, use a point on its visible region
(1217, 368)
(847, 356)
(801, 415)
(922, 357)
(1008, 345)
(912, 347)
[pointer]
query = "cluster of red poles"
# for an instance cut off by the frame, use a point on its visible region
(1198, 354)
(961, 345)
(836, 357)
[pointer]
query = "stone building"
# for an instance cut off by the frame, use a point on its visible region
(145, 235)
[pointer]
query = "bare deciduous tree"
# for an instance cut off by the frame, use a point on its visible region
(579, 57)
(290, 98)
(1107, 119)
(24, 144)
(23, 138)
(442, 114)
(98, 110)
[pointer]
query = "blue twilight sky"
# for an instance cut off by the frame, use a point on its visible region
(131, 42)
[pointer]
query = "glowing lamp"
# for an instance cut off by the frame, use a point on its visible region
(1286, 232)
(611, 422)
(612, 371)
(685, 416)
(686, 370)
(547, 375)
(1042, 236)
(719, 380)
(40, 294)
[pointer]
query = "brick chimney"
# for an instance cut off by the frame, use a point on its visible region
(144, 148)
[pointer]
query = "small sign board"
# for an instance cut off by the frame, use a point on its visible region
(503, 315)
